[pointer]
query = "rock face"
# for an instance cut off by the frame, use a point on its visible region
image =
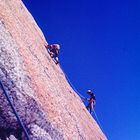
(37, 87)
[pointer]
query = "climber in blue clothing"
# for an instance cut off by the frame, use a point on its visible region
(53, 50)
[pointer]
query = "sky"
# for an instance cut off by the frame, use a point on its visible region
(100, 50)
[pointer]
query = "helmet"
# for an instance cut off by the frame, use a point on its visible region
(89, 91)
(57, 46)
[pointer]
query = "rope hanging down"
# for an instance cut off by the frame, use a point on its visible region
(14, 111)
(97, 119)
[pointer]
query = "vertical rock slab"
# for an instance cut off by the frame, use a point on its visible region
(38, 89)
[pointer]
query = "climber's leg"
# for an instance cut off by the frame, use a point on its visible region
(91, 107)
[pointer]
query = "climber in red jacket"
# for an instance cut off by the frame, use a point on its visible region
(53, 50)
(91, 100)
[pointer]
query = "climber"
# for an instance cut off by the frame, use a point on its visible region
(53, 50)
(91, 100)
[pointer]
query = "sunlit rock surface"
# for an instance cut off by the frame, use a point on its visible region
(37, 87)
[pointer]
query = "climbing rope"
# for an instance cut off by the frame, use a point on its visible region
(72, 84)
(14, 111)
(97, 118)
(99, 123)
